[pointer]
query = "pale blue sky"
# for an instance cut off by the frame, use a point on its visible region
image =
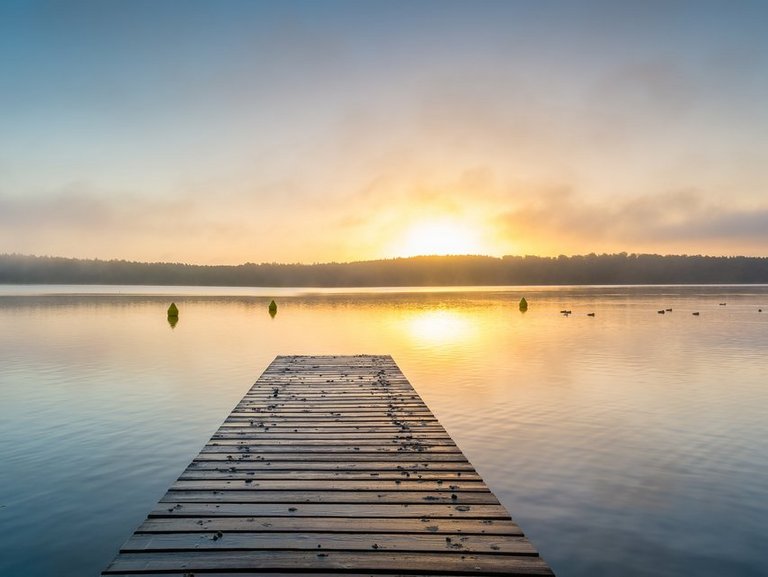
(313, 131)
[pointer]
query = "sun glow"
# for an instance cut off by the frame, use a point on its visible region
(441, 327)
(439, 237)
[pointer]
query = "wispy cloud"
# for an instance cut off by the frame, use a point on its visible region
(678, 221)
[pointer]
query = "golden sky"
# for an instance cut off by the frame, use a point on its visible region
(335, 131)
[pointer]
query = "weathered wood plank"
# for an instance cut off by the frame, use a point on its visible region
(310, 420)
(338, 398)
(395, 467)
(246, 541)
(289, 399)
(396, 457)
(260, 408)
(327, 448)
(236, 444)
(403, 465)
(252, 574)
(281, 573)
(333, 425)
(401, 525)
(362, 394)
(333, 484)
(299, 439)
(330, 497)
(324, 413)
(343, 561)
(363, 510)
(287, 433)
(218, 474)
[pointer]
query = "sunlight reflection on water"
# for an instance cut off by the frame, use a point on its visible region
(628, 443)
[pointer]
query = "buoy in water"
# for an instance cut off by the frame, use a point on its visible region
(523, 305)
(272, 308)
(173, 315)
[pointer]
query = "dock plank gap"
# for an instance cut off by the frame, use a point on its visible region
(329, 465)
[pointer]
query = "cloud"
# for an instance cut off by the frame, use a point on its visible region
(80, 221)
(79, 207)
(676, 221)
(727, 225)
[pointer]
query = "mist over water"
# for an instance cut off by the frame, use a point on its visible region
(629, 443)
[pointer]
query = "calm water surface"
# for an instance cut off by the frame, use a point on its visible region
(629, 443)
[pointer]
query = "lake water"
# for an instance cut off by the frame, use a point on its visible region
(629, 443)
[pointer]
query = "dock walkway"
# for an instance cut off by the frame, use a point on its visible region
(329, 466)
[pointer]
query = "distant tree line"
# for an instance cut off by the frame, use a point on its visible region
(621, 268)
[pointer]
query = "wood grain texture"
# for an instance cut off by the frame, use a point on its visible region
(342, 525)
(329, 465)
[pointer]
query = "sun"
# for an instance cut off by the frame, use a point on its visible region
(439, 237)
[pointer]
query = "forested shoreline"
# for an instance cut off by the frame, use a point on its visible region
(621, 268)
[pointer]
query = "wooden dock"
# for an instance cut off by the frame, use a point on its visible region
(329, 466)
